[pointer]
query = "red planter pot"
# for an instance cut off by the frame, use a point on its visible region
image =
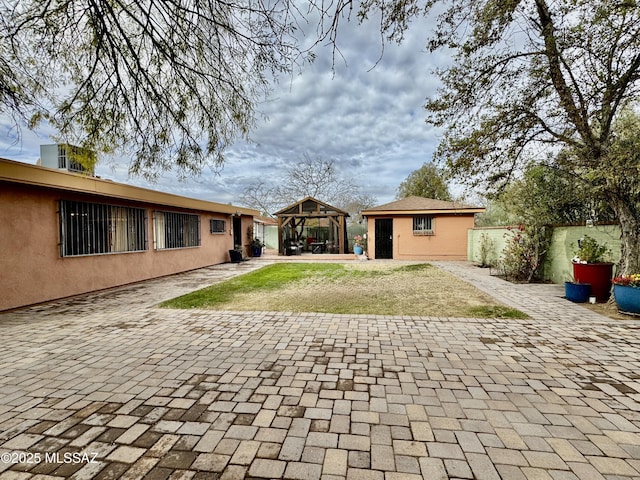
(598, 275)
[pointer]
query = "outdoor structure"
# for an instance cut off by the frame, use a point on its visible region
(66, 233)
(311, 225)
(266, 230)
(67, 157)
(417, 228)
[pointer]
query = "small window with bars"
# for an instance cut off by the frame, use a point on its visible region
(96, 228)
(176, 230)
(423, 225)
(217, 226)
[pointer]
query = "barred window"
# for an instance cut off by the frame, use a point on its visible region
(95, 228)
(176, 230)
(423, 225)
(217, 226)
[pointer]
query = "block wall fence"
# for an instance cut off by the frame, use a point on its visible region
(557, 267)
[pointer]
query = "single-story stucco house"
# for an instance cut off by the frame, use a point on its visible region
(66, 233)
(418, 228)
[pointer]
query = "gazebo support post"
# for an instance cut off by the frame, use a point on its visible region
(341, 235)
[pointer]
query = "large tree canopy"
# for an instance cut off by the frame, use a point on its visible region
(546, 196)
(174, 80)
(529, 74)
(427, 181)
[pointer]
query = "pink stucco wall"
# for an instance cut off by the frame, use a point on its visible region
(32, 270)
(449, 241)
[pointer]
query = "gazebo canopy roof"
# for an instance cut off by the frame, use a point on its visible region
(311, 207)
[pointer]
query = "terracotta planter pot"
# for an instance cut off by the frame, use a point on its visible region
(598, 275)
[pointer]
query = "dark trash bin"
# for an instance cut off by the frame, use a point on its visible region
(235, 255)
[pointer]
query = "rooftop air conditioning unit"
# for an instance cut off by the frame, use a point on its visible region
(68, 157)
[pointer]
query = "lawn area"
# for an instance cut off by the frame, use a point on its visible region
(358, 288)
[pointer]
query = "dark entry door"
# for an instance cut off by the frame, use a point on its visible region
(237, 231)
(384, 238)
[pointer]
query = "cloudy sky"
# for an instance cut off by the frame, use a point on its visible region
(367, 115)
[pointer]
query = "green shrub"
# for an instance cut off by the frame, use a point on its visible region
(525, 252)
(487, 251)
(590, 251)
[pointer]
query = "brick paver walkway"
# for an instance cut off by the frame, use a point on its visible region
(107, 386)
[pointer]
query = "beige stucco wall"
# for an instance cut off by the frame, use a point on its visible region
(33, 271)
(449, 241)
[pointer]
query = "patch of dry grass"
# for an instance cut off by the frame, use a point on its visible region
(363, 288)
(609, 309)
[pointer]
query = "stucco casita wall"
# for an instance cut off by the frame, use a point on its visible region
(33, 270)
(449, 241)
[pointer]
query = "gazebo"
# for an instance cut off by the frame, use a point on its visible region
(293, 219)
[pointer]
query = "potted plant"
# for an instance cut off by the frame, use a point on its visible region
(626, 291)
(358, 249)
(236, 254)
(256, 247)
(590, 266)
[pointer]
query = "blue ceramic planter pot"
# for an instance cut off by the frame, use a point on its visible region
(358, 250)
(627, 298)
(577, 292)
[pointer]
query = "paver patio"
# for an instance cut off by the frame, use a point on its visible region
(107, 386)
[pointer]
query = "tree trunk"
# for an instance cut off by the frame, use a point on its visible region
(629, 223)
